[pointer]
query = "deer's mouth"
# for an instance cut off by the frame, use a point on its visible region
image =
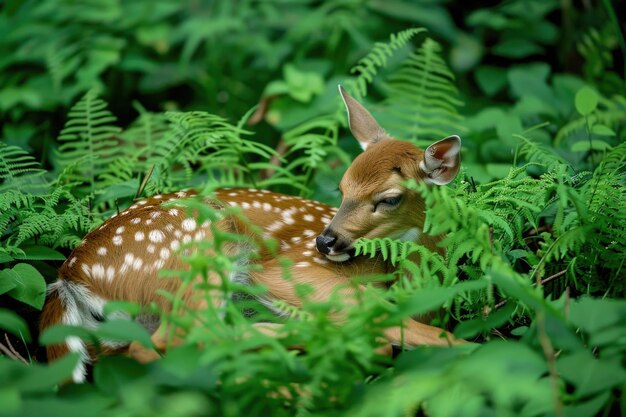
(342, 256)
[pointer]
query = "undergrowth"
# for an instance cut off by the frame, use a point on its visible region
(533, 273)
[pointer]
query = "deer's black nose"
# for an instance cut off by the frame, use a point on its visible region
(324, 243)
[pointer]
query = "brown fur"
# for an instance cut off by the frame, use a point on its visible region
(52, 314)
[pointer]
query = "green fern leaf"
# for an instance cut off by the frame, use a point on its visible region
(423, 100)
(88, 140)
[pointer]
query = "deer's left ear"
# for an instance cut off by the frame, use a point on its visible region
(442, 160)
(362, 124)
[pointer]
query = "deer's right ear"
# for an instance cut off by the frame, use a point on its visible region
(442, 160)
(362, 124)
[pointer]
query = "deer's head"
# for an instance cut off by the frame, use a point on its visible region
(375, 202)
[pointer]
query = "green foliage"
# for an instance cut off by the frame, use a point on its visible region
(427, 108)
(534, 226)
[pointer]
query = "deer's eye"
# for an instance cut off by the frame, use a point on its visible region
(389, 202)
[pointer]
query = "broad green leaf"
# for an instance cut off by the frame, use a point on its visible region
(602, 130)
(5, 257)
(84, 402)
(41, 378)
(507, 126)
(129, 307)
(519, 331)
(5, 283)
(124, 330)
(590, 375)
(14, 324)
(429, 299)
(40, 253)
(113, 373)
(593, 315)
(586, 101)
(11, 401)
(30, 286)
(595, 145)
(57, 334)
(471, 328)
(588, 408)
(490, 79)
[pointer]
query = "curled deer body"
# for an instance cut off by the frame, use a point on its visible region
(121, 259)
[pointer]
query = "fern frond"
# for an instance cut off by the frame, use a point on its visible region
(534, 152)
(88, 140)
(368, 66)
(423, 100)
(19, 170)
(309, 145)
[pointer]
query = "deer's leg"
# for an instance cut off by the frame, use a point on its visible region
(169, 335)
(324, 281)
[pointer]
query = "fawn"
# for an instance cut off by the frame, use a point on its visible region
(121, 259)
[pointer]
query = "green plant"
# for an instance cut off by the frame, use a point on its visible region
(534, 224)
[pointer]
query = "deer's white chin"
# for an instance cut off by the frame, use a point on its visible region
(340, 257)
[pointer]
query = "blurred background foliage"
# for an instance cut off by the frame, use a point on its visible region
(104, 101)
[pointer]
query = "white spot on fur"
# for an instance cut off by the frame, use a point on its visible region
(267, 206)
(151, 248)
(155, 214)
(136, 220)
(186, 239)
(320, 261)
(120, 230)
(189, 225)
(164, 253)
(233, 194)
(128, 258)
(159, 263)
(309, 233)
(169, 227)
(137, 264)
(173, 212)
(156, 236)
(110, 273)
(199, 235)
(410, 235)
(174, 245)
(302, 264)
(309, 217)
(117, 240)
(139, 236)
(142, 202)
(181, 194)
(97, 271)
(149, 221)
(102, 251)
(72, 261)
(275, 226)
(245, 205)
